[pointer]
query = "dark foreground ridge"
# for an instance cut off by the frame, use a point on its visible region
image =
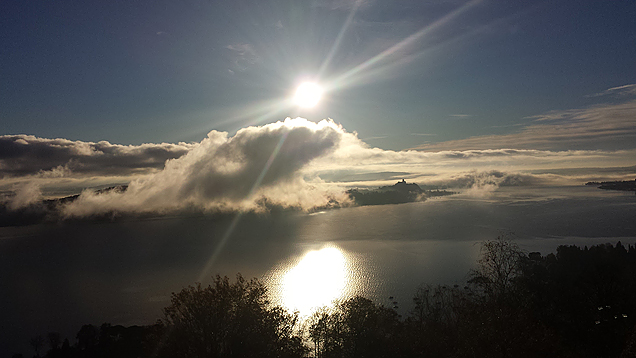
(627, 185)
(399, 193)
(580, 302)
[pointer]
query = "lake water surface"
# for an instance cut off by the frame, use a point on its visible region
(56, 277)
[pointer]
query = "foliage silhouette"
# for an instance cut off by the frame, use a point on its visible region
(580, 302)
(37, 343)
(499, 264)
(356, 328)
(229, 320)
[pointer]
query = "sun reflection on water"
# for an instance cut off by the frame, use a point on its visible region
(318, 279)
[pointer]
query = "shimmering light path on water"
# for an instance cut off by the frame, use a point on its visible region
(319, 278)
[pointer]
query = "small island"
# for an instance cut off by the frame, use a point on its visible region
(399, 193)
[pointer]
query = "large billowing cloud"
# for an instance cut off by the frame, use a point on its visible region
(225, 173)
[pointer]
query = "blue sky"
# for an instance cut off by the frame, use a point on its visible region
(168, 71)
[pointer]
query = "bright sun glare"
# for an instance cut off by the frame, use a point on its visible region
(308, 94)
(318, 279)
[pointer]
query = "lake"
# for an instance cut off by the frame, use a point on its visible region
(56, 277)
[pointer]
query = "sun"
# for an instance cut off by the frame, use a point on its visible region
(308, 94)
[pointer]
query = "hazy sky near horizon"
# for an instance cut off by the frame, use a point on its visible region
(401, 74)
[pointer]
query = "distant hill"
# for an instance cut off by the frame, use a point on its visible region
(46, 210)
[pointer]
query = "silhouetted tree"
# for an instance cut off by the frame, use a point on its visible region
(586, 295)
(66, 346)
(87, 339)
(357, 328)
(433, 322)
(438, 305)
(54, 340)
(495, 320)
(229, 320)
(37, 343)
(499, 264)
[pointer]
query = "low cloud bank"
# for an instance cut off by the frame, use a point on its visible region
(293, 163)
(24, 195)
(492, 178)
(22, 155)
(483, 183)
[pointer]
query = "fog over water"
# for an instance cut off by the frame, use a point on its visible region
(122, 272)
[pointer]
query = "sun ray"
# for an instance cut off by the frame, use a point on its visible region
(270, 160)
(338, 40)
(205, 272)
(228, 233)
(341, 80)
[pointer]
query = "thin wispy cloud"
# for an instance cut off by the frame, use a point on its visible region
(507, 125)
(609, 126)
(241, 49)
(243, 55)
(625, 90)
(343, 5)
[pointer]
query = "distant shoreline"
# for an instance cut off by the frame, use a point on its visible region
(627, 185)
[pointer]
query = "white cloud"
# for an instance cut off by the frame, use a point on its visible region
(229, 173)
